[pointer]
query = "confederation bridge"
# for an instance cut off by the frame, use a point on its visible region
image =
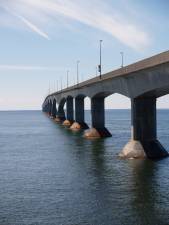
(143, 82)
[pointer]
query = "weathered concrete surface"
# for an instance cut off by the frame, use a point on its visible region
(67, 123)
(133, 150)
(79, 126)
(76, 126)
(97, 132)
(92, 133)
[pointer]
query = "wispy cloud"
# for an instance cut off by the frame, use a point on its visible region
(30, 25)
(33, 27)
(94, 13)
(29, 68)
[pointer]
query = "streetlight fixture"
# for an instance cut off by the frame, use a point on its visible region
(78, 71)
(122, 59)
(67, 78)
(100, 65)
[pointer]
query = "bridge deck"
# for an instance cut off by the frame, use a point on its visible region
(153, 61)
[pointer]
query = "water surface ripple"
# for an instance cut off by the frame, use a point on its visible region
(52, 176)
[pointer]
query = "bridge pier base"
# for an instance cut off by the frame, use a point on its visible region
(144, 141)
(98, 120)
(79, 115)
(69, 114)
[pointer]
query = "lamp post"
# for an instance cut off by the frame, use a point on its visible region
(122, 59)
(49, 88)
(57, 86)
(96, 71)
(78, 71)
(61, 83)
(67, 78)
(100, 65)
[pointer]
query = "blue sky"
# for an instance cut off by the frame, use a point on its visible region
(41, 40)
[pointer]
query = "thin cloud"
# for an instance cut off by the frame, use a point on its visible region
(33, 27)
(30, 25)
(27, 68)
(94, 13)
(98, 16)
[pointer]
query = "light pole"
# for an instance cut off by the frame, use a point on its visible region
(49, 88)
(57, 85)
(96, 71)
(67, 78)
(122, 59)
(54, 86)
(61, 83)
(100, 65)
(78, 71)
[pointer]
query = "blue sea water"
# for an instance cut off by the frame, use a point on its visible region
(50, 175)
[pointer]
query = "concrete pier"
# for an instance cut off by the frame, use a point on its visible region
(61, 114)
(69, 109)
(79, 115)
(50, 108)
(69, 112)
(53, 113)
(46, 108)
(98, 119)
(144, 131)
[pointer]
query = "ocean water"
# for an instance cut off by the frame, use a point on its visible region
(50, 175)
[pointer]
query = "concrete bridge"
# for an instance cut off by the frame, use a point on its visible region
(143, 82)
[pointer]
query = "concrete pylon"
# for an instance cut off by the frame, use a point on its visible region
(98, 119)
(79, 115)
(54, 111)
(44, 108)
(69, 112)
(60, 114)
(50, 108)
(144, 131)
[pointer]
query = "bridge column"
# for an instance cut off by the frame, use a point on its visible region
(53, 114)
(69, 112)
(98, 119)
(44, 108)
(50, 108)
(79, 115)
(144, 131)
(61, 114)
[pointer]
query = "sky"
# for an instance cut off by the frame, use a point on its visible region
(41, 39)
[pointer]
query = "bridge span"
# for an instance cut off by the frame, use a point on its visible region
(143, 82)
